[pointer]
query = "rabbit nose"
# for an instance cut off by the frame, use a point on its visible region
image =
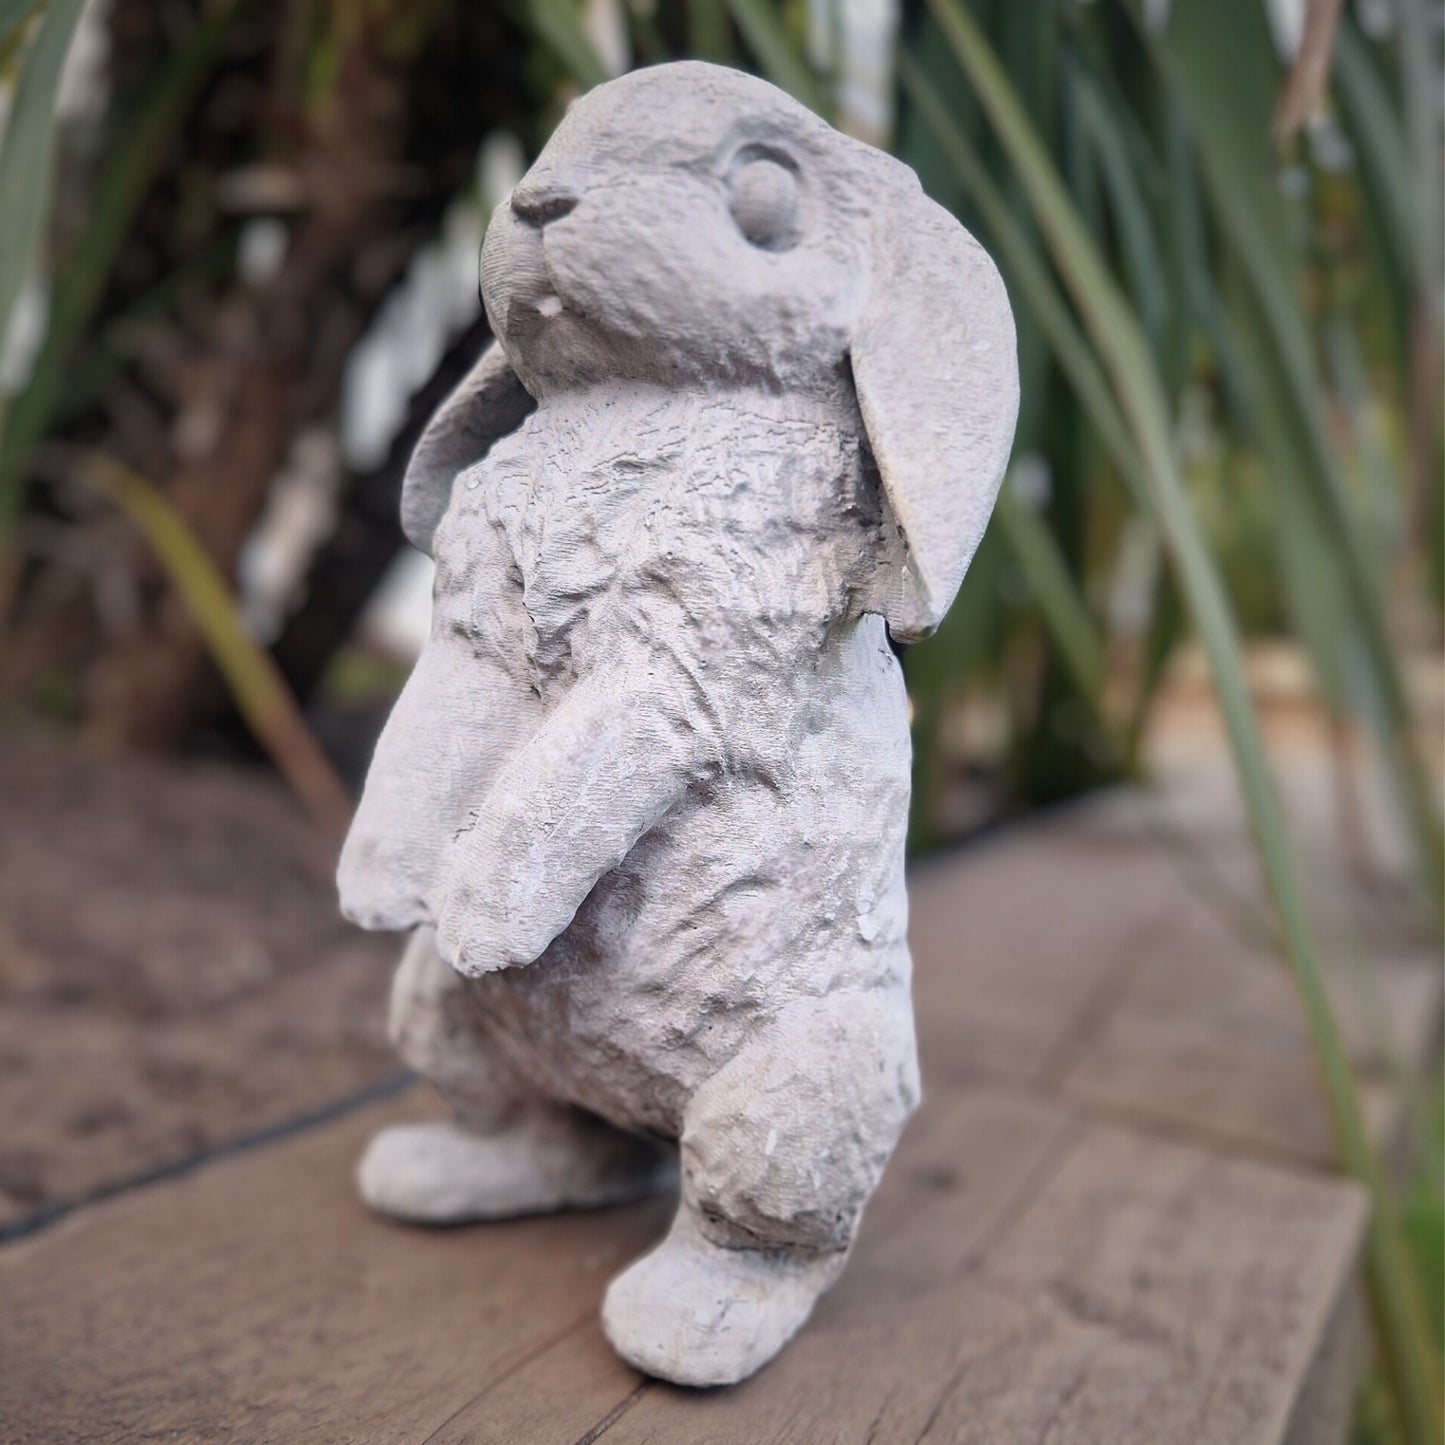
(540, 205)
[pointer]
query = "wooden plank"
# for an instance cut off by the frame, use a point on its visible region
(965, 1164)
(1207, 1036)
(258, 1300)
(1099, 1313)
(1108, 1223)
(1016, 941)
(1218, 1278)
(257, 1297)
(1086, 1314)
(173, 970)
(1019, 1273)
(1080, 953)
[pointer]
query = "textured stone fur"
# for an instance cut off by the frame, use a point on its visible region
(645, 794)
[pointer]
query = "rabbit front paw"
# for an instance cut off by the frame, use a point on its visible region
(478, 933)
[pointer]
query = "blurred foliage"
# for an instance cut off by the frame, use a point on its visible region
(1286, 295)
(1377, 1420)
(348, 129)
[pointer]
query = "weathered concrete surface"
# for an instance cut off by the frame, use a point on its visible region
(647, 788)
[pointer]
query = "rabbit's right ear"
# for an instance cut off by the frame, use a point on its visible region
(935, 367)
(489, 403)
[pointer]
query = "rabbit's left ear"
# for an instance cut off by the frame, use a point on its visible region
(489, 403)
(935, 366)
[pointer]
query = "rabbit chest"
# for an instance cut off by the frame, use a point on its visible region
(626, 519)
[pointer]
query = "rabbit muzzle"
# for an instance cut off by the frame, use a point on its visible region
(515, 279)
(550, 343)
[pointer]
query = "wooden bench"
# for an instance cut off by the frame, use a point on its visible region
(1114, 1220)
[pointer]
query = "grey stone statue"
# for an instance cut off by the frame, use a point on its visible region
(644, 797)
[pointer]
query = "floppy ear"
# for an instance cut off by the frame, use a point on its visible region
(935, 366)
(489, 403)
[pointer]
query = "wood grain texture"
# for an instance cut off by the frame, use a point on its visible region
(1022, 1276)
(258, 1300)
(173, 972)
(1118, 954)
(1109, 1222)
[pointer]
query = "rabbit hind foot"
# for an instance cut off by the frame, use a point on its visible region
(443, 1173)
(699, 1313)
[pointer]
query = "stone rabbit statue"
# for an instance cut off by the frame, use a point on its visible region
(643, 799)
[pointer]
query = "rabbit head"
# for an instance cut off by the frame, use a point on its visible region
(692, 226)
(684, 224)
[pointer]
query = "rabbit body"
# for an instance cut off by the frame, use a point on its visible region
(644, 798)
(722, 540)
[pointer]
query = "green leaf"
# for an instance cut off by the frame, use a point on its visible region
(1313, 588)
(708, 35)
(1052, 586)
(1216, 60)
(1379, 140)
(777, 56)
(1418, 50)
(1130, 211)
(124, 181)
(559, 23)
(1121, 346)
(25, 150)
(1060, 603)
(1022, 266)
(14, 14)
(261, 694)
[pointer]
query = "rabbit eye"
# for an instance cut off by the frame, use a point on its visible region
(765, 203)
